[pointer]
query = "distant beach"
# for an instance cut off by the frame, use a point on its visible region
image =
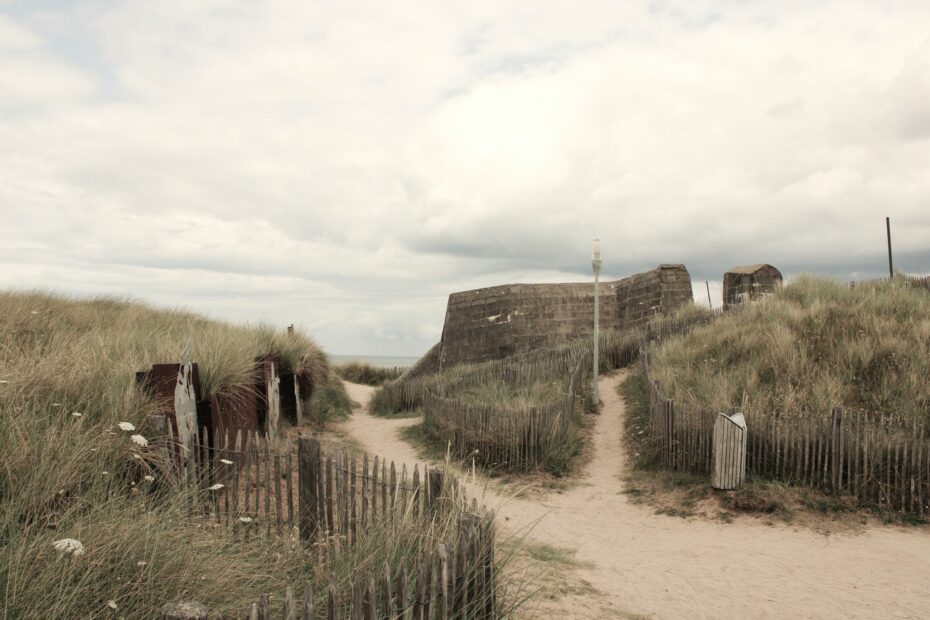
(381, 361)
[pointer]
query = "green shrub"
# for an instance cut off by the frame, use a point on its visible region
(330, 402)
(366, 374)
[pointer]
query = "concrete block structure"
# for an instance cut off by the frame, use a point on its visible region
(500, 321)
(749, 282)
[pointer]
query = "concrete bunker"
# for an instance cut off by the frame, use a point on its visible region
(500, 321)
(749, 282)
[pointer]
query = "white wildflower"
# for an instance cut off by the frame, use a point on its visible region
(215, 487)
(226, 462)
(139, 440)
(111, 604)
(105, 473)
(141, 563)
(76, 414)
(126, 426)
(34, 312)
(56, 404)
(245, 519)
(69, 546)
(3, 381)
(136, 455)
(149, 478)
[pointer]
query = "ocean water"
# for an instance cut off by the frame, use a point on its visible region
(381, 361)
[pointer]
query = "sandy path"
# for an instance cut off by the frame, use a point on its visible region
(675, 568)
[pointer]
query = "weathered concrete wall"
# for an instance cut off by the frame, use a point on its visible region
(491, 323)
(426, 365)
(749, 282)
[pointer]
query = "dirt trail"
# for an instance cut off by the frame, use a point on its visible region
(669, 567)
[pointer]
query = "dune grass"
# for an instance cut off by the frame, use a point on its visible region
(81, 477)
(524, 395)
(814, 344)
(510, 395)
(366, 374)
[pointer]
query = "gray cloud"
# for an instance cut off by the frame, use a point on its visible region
(346, 167)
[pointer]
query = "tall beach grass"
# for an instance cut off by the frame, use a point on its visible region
(67, 381)
(814, 344)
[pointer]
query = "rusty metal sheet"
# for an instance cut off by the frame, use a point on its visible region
(232, 413)
(288, 397)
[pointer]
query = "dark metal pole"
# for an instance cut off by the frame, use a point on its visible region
(888, 231)
(709, 302)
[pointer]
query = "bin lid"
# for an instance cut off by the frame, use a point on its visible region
(735, 418)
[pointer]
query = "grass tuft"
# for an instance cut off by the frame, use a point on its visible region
(366, 374)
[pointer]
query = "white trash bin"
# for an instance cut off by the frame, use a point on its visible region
(729, 451)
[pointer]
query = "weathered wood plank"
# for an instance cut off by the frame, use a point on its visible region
(365, 478)
(308, 610)
(288, 467)
(308, 462)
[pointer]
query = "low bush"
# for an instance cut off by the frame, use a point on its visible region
(330, 402)
(366, 374)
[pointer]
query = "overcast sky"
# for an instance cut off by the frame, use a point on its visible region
(345, 166)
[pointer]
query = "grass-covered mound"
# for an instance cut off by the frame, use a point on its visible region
(512, 396)
(814, 344)
(517, 414)
(366, 374)
(66, 381)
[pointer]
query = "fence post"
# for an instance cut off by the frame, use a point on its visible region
(836, 449)
(434, 487)
(308, 472)
(490, 570)
(183, 610)
(299, 404)
(264, 607)
(669, 433)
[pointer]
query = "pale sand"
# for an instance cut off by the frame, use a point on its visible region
(669, 567)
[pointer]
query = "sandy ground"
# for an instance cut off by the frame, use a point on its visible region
(668, 567)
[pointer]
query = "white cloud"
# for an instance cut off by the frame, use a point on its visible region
(346, 166)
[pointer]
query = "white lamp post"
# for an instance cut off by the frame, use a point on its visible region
(596, 265)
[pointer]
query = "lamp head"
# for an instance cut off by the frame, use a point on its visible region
(596, 255)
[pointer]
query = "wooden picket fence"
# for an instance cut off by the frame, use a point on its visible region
(342, 495)
(521, 439)
(916, 281)
(456, 580)
(261, 486)
(258, 484)
(404, 394)
(500, 437)
(881, 464)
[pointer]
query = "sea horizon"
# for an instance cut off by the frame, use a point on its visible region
(381, 361)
